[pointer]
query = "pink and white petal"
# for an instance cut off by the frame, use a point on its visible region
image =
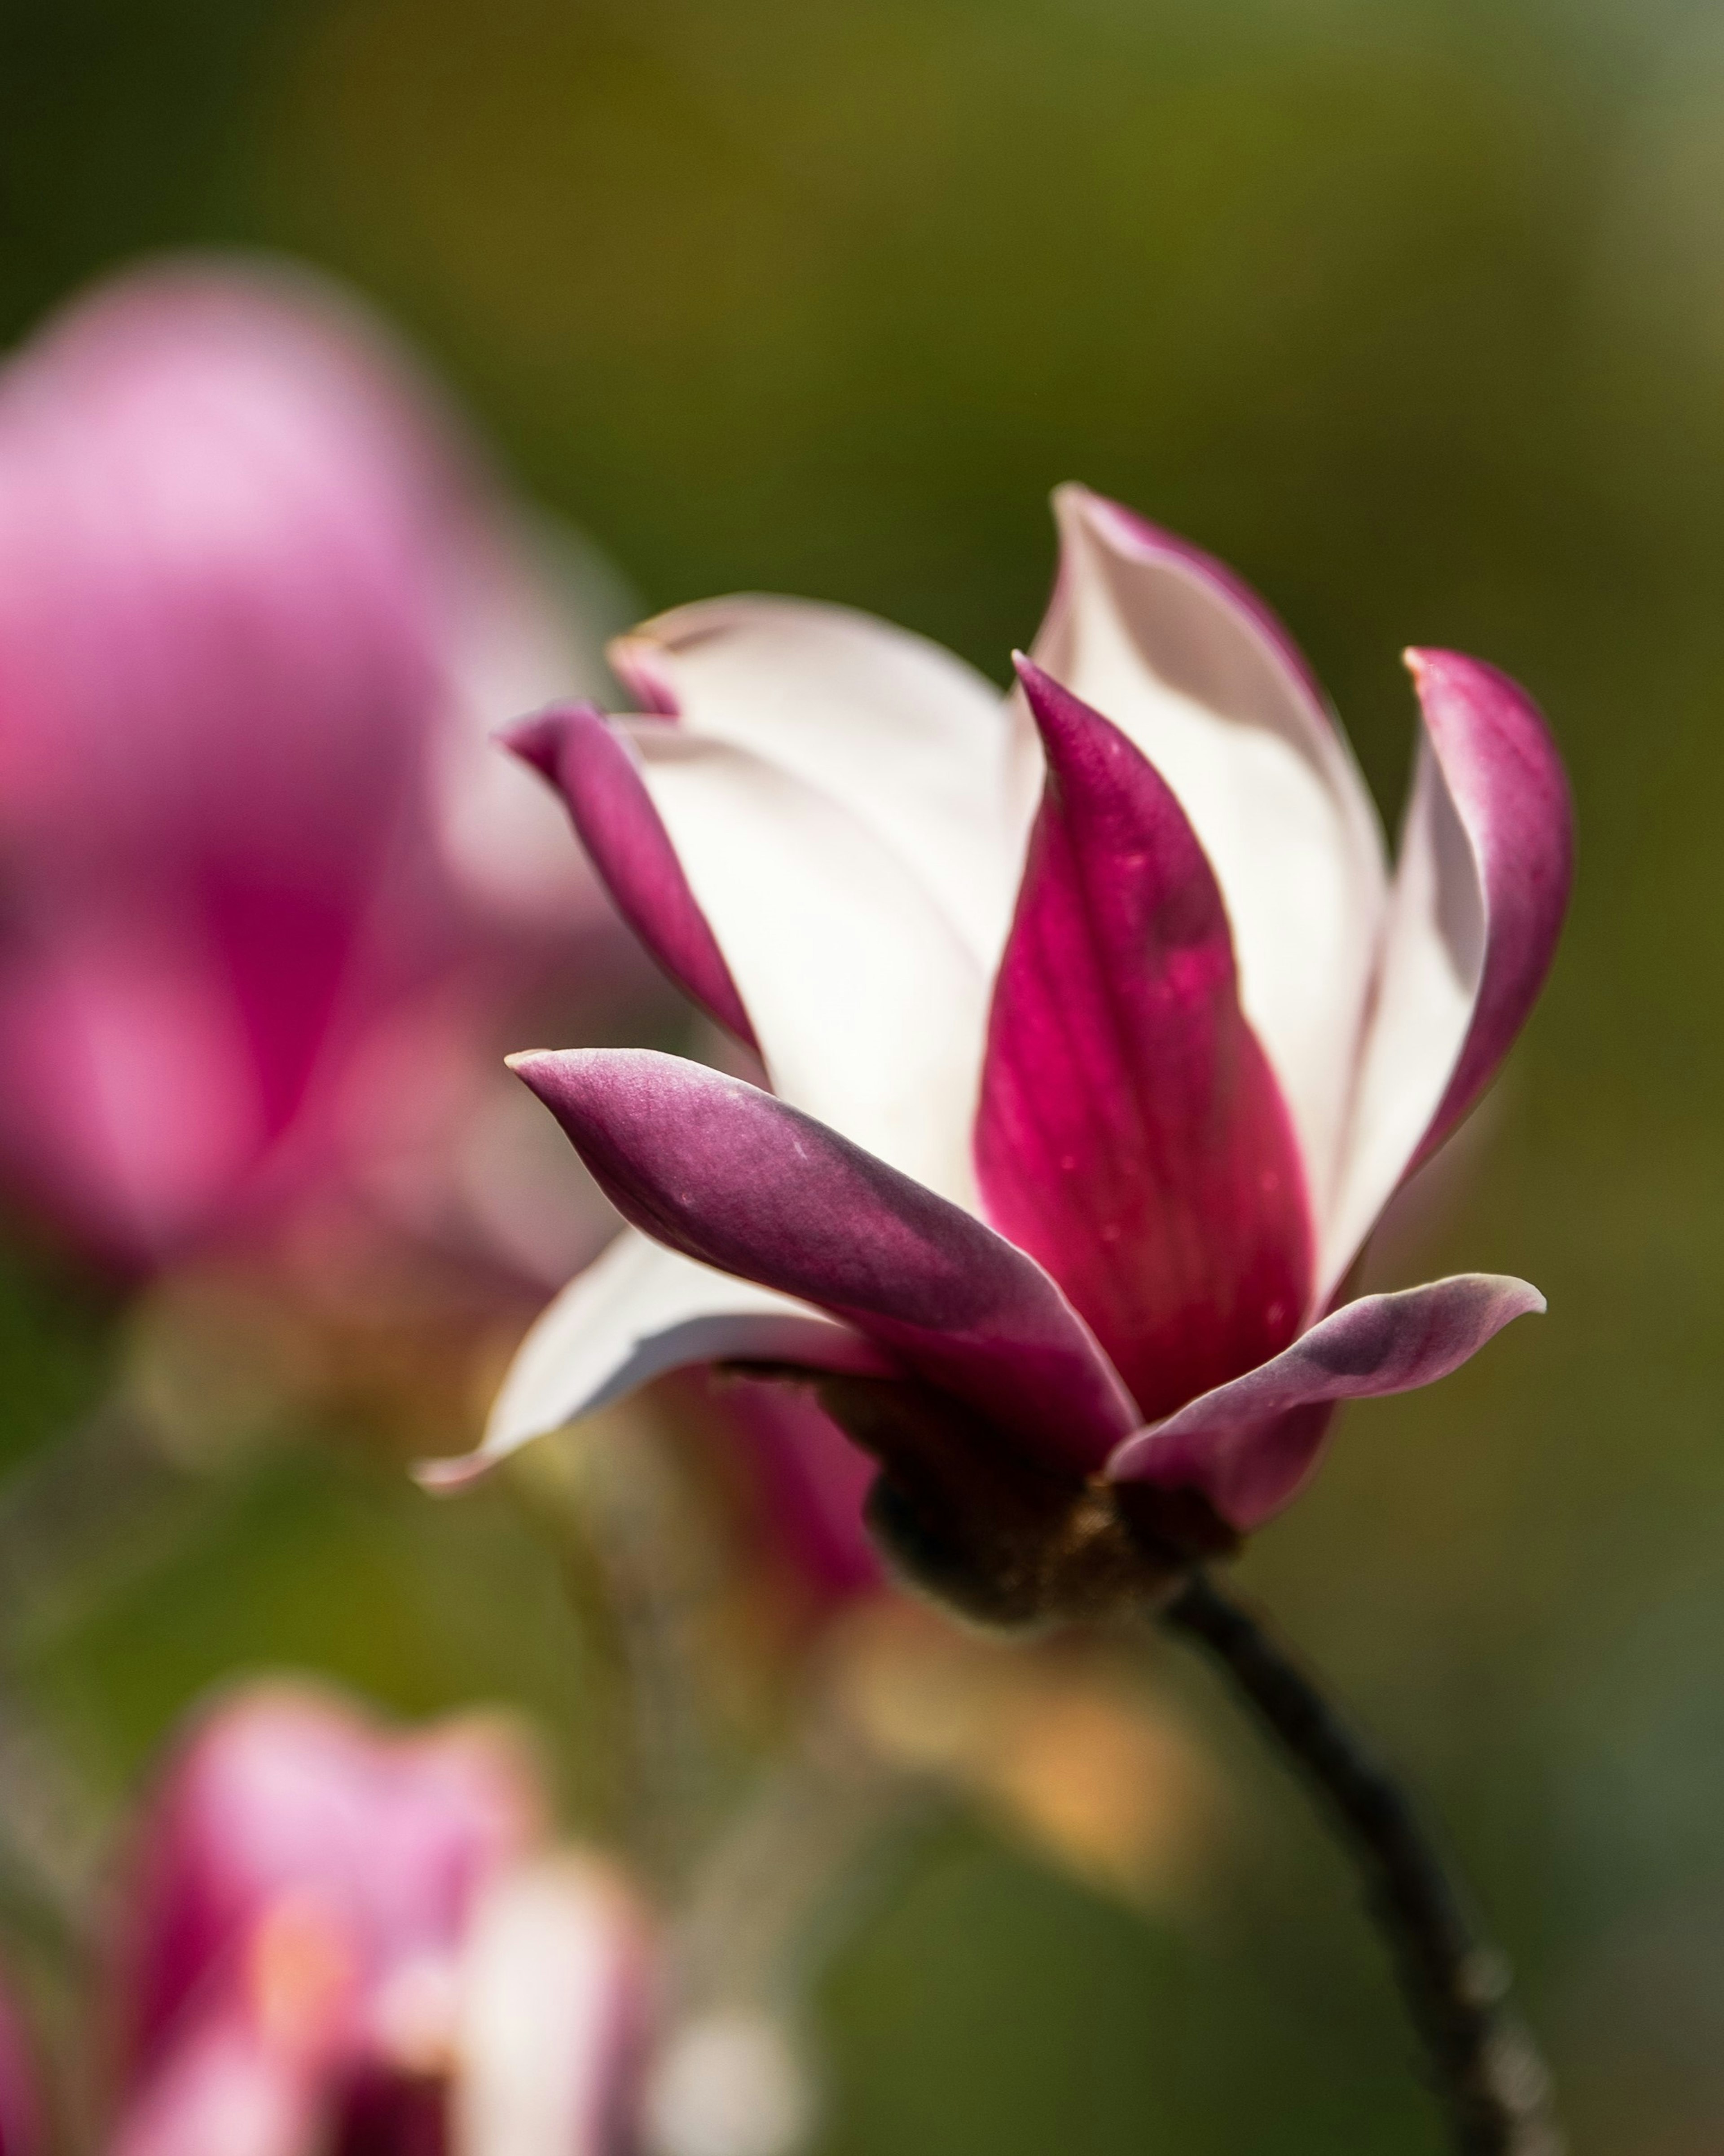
(597, 770)
(1200, 676)
(912, 740)
(736, 1180)
(555, 1999)
(869, 1010)
(1131, 1135)
(1487, 860)
(635, 1313)
(1248, 1444)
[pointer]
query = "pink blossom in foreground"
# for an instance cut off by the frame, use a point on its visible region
(337, 1936)
(1098, 1031)
(259, 605)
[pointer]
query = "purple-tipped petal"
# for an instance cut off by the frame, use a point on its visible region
(736, 1180)
(597, 774)
(1249, 1444)
(1195, 670)
(1131, 1135)
(1487, 860)
(1509, 788)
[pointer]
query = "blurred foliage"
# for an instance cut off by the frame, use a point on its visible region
(1414, 310)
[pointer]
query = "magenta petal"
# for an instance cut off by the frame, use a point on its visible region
(596, 773)
(737, 1180)
(1131, 1135)
(1246, 1446)
(1509, 788)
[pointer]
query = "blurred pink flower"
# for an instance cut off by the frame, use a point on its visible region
(1099, 1033)
(335, 1935)
(259, 604)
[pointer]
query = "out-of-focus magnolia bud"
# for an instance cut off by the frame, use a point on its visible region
(265, 890)
(291, 1933)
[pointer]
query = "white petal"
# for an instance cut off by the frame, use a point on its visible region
(913, 742)
(636, 1313)
(1433, 960)
(1161, 642)
(871, 1011)
(552, 1997)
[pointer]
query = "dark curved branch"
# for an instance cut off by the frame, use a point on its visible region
(1482, 2062)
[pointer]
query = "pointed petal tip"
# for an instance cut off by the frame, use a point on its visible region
(1077, 503)
(1533, 1303)
(1058, 714)
(1433, 663)
(636, 659)
(448, 1476)
(1029, 673)
(539, 737)
(1436, 668)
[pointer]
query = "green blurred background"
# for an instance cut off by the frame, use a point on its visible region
(1415, 313)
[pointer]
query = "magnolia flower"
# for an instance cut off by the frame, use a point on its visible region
(1098, 1032)
(334, 1935)
(259, 605)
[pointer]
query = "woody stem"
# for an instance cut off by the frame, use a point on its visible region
(1480, 2060)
